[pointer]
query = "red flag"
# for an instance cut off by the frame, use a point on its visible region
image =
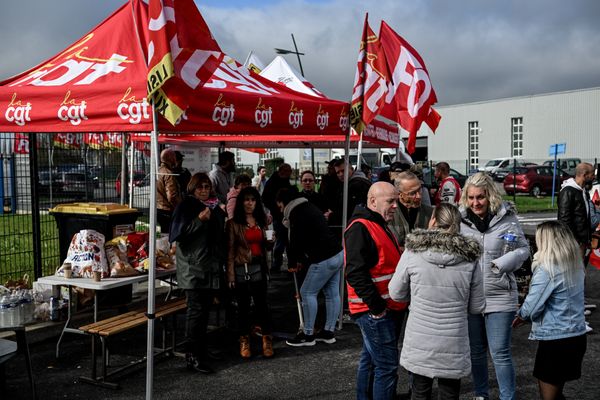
(21, 143)
(182, 55)
(410, 93)
(370, 81)
(67, 141)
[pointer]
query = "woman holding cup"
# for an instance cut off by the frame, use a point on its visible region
(247, 267)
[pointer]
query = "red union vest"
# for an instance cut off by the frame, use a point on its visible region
(382, 273)
(438, 194)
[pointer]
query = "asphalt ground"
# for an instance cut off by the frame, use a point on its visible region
(320, 372)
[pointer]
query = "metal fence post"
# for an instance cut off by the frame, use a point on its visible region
(35, 207)
(1, 184)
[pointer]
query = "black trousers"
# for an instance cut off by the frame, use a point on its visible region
(258, 292)
(199, 302)
(448, 389)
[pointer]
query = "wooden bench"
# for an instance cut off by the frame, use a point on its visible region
(108, 327)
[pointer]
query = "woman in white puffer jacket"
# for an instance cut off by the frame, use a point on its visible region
(438, 273)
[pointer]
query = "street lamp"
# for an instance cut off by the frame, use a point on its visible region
(298, 54)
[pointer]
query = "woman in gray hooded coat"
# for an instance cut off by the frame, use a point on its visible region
(438, 273)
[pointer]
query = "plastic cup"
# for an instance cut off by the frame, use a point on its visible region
(97, 276)
(67, 270)
(269, 233)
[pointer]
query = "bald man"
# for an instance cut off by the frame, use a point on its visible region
(371, 254)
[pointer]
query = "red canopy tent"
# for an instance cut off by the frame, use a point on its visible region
(99, 84)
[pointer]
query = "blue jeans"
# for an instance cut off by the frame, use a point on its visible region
(493, 331)
(377, 374)
(323, 275)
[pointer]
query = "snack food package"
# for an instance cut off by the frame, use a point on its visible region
(86, 254)
(116, 254)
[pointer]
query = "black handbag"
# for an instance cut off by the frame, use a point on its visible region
(248, 273)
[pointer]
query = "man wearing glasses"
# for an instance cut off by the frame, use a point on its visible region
(411, 212)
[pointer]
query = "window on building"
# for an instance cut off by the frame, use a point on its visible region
(474, 144)
(517, 136)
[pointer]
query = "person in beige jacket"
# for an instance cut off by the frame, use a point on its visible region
(168, 192)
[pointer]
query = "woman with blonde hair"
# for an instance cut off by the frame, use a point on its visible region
(554, 305)
(438, 273)
(488, 219)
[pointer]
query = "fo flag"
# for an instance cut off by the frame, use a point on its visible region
(182, 55)
(370, 81)
(410, 93)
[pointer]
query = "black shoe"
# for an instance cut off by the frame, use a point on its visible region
(325, 336)
(302, 340)
(194, 364)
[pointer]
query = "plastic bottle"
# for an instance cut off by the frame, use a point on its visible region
(54, 309)
(4, 310)
(510, 239)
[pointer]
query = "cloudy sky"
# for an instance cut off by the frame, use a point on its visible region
(474, 49)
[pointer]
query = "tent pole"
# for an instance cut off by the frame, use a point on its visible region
(123, 166)
(344, 218)
(131, 171)
(152, 253)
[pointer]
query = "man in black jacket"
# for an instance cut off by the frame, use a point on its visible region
(574, 205)
(314, 247)
(574, 208)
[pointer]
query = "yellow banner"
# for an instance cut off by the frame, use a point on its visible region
(166, 107)
(161, 72)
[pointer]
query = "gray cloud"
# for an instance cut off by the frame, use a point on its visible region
(474, 50)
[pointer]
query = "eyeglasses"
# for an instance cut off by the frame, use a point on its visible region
(204, 186)
(414, 193)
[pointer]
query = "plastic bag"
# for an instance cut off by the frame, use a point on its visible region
(86, 254)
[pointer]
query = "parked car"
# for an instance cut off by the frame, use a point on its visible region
(566, 164)
(45, 184)
(501, 173)
(138, 180)
(534, 180)
(503, 166)
(77, 184)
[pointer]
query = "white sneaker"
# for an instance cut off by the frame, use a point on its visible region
(587, 313)
(588, 328)
(590, 306)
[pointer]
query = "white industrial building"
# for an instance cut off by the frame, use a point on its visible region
(471, 134)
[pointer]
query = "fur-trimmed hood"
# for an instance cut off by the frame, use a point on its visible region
(443, 248)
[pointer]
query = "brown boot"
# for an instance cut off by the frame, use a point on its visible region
(267, 346)
(245, 347)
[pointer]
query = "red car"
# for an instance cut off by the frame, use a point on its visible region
(138, 180)
(534, 180)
